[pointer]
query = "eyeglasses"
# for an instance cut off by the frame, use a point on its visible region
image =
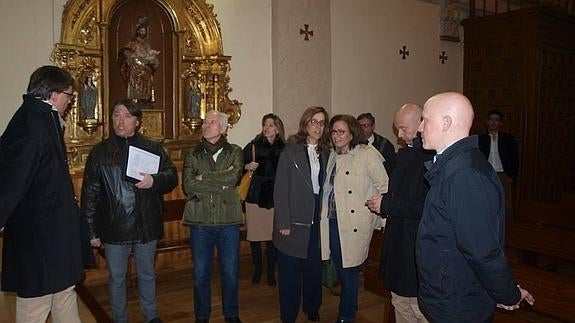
(70, 96)
(339, 132)
(365, 125)
(317, 123)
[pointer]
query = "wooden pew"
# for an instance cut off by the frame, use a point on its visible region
(543, 261)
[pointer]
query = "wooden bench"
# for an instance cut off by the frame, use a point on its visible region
(542, 259)
(173, 249)
(543, 262)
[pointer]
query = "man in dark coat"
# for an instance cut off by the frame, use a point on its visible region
(402, 206)
(463, 271)
(384, 146)
(500, 149)
(42, 256)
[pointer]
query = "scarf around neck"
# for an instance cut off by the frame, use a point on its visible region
(213, 148)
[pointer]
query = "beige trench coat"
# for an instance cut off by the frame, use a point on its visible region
(359, 176)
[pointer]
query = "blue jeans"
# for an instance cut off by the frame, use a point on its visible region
(348, 277)
(203, 239)
(117, 258)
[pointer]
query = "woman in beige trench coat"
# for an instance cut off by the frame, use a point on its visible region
(355, 173)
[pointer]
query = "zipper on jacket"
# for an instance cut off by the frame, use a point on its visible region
(212, 213)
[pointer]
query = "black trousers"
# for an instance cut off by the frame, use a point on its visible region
(301, 276)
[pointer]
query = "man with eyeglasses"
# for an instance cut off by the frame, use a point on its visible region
(42, 256)
(382, 144)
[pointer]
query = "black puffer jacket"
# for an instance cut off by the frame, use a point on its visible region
(115, 209)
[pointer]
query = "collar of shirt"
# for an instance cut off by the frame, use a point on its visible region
(62, 121)
(371, 139)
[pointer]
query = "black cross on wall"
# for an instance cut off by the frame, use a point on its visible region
(443, 57)
(404, 52)
(306, 31)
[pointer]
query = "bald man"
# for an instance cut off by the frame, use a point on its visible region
(402, 205)
(463, 272)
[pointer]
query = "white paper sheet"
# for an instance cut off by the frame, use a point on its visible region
(141, 161)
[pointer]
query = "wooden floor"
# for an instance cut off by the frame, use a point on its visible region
(258, 303)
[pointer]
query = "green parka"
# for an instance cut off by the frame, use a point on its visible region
(214, 199)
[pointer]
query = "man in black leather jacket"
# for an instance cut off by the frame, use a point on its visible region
(125, 213)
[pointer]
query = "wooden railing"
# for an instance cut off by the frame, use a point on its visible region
(480, 8)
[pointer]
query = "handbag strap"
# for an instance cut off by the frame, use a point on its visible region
(253, 151)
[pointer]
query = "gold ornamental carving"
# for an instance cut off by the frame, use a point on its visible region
(200, 74)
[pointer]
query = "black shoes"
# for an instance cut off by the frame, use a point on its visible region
(155, 320)
(233, 320)
(313, 317)
(271, 280)
(257, 276)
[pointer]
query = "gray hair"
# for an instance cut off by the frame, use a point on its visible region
(222, 117)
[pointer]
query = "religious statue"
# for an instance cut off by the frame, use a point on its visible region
(89, 95)
(138, 63)
(450, 19)
(194, 100)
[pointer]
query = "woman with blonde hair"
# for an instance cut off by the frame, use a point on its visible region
(266, 147)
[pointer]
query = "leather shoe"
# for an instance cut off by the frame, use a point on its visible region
(272, 281)
(313, 317)
(233, 320)
(344, 321)
(155, 320)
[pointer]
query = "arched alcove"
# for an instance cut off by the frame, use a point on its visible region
(192, 69)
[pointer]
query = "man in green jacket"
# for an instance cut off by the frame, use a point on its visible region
(214, 214)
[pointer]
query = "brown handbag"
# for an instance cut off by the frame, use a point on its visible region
(246, 181)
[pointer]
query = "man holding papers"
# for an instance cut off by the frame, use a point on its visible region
(124, 180)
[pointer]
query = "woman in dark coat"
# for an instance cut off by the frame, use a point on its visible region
(299, 177)
(267, 145)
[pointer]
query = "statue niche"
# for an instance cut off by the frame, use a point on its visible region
(141, 56)
(138, 63)
(186, 71)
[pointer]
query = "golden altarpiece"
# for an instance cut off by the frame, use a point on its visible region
(190, 78)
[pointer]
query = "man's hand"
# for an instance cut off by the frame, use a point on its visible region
(525, 296)
(374, 203)
(96, 243)
(146, 182)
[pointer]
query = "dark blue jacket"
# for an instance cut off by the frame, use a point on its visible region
(463, 272)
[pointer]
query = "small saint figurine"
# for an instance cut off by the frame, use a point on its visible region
(194, 100)
(138, 63)
(89, 95)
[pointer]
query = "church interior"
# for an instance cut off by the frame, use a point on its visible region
(251, 57)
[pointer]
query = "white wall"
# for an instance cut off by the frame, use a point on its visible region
(246, 32)
(27, 35)
(368, 74)
(302, 69)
